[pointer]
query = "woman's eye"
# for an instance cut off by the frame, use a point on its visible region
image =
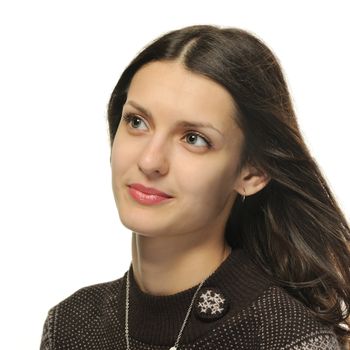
(192, 137)
(133, 120)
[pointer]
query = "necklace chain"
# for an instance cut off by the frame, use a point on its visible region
(184, 322)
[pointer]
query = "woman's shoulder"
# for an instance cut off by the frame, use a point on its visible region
(284, 322)
(78, 313)
(90, 297)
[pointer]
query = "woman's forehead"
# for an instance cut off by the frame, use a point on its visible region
(167, 87)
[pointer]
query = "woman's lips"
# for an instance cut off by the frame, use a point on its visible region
(147, 195)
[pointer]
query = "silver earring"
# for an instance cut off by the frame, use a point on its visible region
(243, 197)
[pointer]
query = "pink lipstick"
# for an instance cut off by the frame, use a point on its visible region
(147, 195)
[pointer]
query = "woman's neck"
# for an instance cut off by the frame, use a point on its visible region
(162, 266)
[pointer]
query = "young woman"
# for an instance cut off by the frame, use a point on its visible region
(237, 240)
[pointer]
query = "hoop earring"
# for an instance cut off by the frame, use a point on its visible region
(243, 197)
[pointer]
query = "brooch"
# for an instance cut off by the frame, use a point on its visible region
(211, 304)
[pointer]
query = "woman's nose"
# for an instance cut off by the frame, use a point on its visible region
(154, 158)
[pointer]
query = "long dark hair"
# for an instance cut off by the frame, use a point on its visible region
(293, 228)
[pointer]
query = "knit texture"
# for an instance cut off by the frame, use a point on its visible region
(238, 307)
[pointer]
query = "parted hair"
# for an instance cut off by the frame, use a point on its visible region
(293, 228)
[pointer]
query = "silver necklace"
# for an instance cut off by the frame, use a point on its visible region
(183, 324)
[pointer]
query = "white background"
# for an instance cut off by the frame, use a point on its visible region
(60, 60)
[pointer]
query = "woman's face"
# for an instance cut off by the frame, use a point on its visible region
(165, 149)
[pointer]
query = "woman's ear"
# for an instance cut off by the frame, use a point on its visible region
(251, 180)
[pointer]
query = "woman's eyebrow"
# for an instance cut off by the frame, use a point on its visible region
(183, 123)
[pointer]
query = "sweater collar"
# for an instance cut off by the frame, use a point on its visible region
(157, 320)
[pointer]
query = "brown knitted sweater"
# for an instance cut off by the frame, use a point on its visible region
(236, 308)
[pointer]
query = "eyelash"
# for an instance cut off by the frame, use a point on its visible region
(128, 117)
